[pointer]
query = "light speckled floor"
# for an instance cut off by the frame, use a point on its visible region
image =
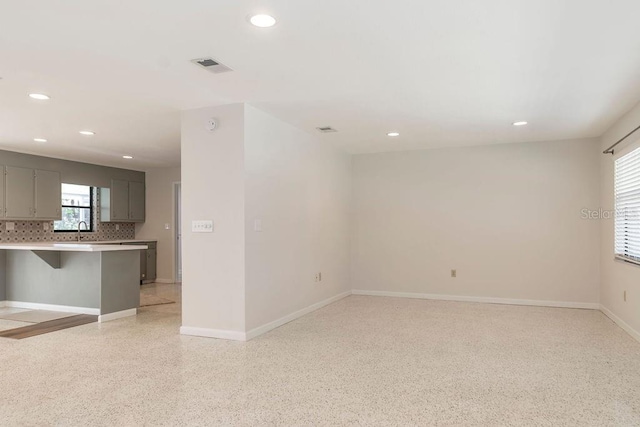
(6, 324)
(360, 361)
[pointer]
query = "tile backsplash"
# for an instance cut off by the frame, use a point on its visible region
(34, 231)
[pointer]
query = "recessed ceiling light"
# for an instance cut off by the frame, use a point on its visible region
(519, 123)
(393, 134)
(39, 140)
(39, 96)
(263, 21)
(87, 132)
(127, 157)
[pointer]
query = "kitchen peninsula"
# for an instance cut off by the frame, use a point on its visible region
(98, 279)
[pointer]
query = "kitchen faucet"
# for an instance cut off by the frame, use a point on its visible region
(86, 227)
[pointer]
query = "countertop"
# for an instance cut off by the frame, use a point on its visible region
(71, 247)
(116, 242)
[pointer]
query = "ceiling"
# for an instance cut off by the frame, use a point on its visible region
(442, 74)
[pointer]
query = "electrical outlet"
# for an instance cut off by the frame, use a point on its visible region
(624, 296)
(317, 278)
(117, 227)
(9, 226)
(45, 226)
(454, 273)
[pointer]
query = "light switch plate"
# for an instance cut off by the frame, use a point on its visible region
(257, 225)
(202, 226)
(9, 226)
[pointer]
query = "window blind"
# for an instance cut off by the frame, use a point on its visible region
(627, 204)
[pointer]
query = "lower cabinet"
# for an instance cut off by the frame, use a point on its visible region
(148, 261)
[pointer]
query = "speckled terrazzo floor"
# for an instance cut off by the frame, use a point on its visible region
(360, 361)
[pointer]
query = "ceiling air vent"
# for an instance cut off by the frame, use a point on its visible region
(326, 129)
(211, 65)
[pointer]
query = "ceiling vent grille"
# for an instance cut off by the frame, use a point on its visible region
(326, 129)
(211, 65)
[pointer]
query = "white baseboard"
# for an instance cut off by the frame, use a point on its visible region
(293, 316)
(53, 307)
(117, 315)
(618, 321)
(488, 300)
(213, 333)
(242, 336)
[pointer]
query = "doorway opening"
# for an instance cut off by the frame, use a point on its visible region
(177, 226)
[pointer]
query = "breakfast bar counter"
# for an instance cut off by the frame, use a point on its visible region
(99, 279)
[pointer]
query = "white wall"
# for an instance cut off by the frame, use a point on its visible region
(213, 188)
(507, 217)
(160, 211)
(618, 276)
(299, 186)
(255, 166)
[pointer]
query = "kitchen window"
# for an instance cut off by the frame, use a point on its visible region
(77, 206)
(627, 203)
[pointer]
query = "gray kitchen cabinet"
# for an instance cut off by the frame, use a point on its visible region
(1, 191)
(19, 191)
(123, 202)
(119, 200)
(152, 261)
(48, 195)
(136, 201)
(148, 260)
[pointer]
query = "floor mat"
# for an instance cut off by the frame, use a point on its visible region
(50, 326)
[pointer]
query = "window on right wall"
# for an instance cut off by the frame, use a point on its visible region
(627, 212)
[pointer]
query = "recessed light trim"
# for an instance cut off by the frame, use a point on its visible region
(520, 123)
(39, 96)
(87, 132)
(393, 134)
(39, 140)
(262, 20)
(127, 157)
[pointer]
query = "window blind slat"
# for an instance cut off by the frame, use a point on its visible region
(627, 206)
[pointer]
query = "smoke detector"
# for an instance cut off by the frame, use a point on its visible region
(326, 129)
(211, 65)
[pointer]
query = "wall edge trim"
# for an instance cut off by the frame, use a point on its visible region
(213, 333)
(117, 315)
(53, 307)
(485, 300)
(295, 315)
(620, 323)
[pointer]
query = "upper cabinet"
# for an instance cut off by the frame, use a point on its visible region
(119, 200)
(123, 202)
(1, 191)
(48, 195)
(30, 193)
(136, 201)
(19, 192)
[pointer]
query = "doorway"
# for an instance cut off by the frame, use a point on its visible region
(177, 226)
